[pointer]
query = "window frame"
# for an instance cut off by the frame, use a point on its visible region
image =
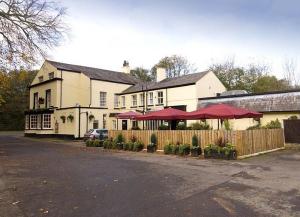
(41, 78)
(35, 100)
(48, 95)
(150, 98)
(142, 99)
(103, 101)
(116, 101)
(134, 100)
(160, 99)
(51, 75)
(34, 122)
(123, 101)
(47, 121)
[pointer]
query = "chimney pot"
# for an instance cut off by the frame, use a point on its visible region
(160, 74)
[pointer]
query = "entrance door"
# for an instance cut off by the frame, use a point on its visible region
(124, 124)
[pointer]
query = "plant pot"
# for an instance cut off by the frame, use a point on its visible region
(207, 154)
(233, 155)
(151, 149)
(195, 152)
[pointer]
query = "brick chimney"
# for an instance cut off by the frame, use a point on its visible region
(160, 74)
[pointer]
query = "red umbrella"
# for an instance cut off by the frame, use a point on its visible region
(165, 114)
(129, 115)
(222, 111)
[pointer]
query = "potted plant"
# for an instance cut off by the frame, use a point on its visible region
(70, 118)
(91, 117)
(151, 148)
(119, 141)
(138, 146)
(231, 152)
(168, 149)
(174, 149)
(63, 118)
(184, 149)
(195, 149)
(208, 151)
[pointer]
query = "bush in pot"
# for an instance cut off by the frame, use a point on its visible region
(138, 146)
(184, 149)
(119, 142)
(89, 143)
(151, 148)
(97, 143)
(195, 149)
(174, 149)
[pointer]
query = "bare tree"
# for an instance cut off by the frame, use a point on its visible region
(27, 29)
(289, 69)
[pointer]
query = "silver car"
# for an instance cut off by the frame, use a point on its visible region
(100, 134)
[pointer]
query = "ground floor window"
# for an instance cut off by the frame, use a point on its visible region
(47, 121)
(95, 124)
(114, 124)
(33, 121)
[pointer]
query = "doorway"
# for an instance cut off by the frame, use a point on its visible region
(124, 124)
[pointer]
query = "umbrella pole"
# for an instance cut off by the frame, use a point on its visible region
(218, 125)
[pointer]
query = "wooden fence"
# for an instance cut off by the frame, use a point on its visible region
(247, 142)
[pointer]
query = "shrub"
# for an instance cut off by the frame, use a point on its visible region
(89, 143)
(196, 151)
(97, 143)
(163, 127)
(195, 141)
(293, 117)
(200, 126)
(153, 139)
(138, 146)
(184, 149)
(168, 149)
(130, 146)
(227, 125)
(273, 124)
(120, 138)
(174, 149)
(255, 127)
(181, 126)
(135, 128)
(107, 144)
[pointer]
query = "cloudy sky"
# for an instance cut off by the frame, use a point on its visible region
(104, 33)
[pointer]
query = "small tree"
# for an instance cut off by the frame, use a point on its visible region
(153, 139)
(195, 141)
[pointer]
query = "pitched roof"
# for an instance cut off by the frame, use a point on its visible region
(168, 82)
(97, 74)
(285, 101)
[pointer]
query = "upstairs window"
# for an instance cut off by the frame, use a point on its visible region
(41, 78)
(142, 100)
(160, 97)
(134, 100)
(48, 98)
(103, 99)
(116, 101)
(150, 98)
(51, 75)
(123, 101)
(35, 100)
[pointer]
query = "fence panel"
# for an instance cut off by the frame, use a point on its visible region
(246, 142)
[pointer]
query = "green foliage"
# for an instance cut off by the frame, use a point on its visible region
(273, 124)
(255, 127)
(227, 125)
(120, 138)
(195, 141)
(153, 138)
(142, 74)
(269, 83)
(174, 149)
(130, 146)
(138, 146)
(14, 98)
(293, 117)
(168, 149)
(97, 143)
(107, 144)
(89, 143)
(184, 149)
(175, 66)
(163, 127)
(200, 126)
(181, 126)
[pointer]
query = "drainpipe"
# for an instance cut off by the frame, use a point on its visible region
(79, 112)
(90, 92)
(61, 81)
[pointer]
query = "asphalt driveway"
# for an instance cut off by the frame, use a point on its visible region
(43, 178)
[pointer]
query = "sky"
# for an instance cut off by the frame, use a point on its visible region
(105, 33)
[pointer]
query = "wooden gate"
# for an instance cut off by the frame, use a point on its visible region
(292, 131)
